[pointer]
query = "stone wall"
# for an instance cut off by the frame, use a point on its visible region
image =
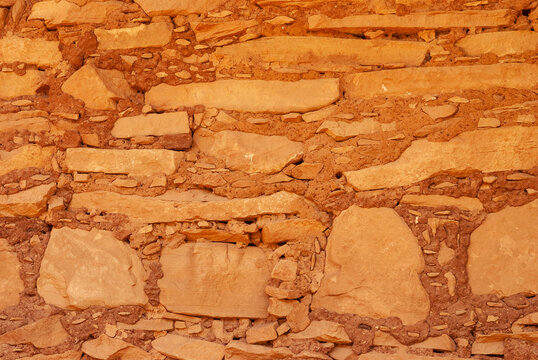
(268, 179)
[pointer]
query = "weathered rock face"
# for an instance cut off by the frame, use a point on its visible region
(64, 12)
(209, 30)
(291, 230)
(152, 35)
(388, 250)
(25, 157)
(43, 333)
(13, 85)
(503, 252)
(10, 282)
(340, 130)
(249, 152)
(178, 7)
(182, 347)
(499, 43)
(464, 203)
(218, 280)
(84, 268)
(31, 202)
(152, 124)
(68, 355)
(40, 52)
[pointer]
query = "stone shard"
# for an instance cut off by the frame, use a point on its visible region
(64, 12)
(247, 95)
(38, 51)
(440, 111)
(216, 235)
(68, 355)
(205, 30)
(357, 24)
(503, 252)
(98, 88)
(10, 282)
(43, 333)
(30, 203)
(500, 43)
(440, 79)
(276, 232)
(152, 35)
(178, 7)
(238, 350)
(216, 280)
(251, 153)
(388, 250)
(463, 202)
(323, 330)
(152, 124)
(26, 156)
(149, 210)
(341, 130)
(185, 348)
(13, 85)
(321, 53)
(84, 268)
(115, 161)
(501, 149)
(148, 324)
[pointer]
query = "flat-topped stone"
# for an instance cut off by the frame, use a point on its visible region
(500, 43)
(152, 124)
(40, 52)
(183, 347)
(152, 35)
(64, 12)
(463, 202)
(26, 156)
(11, 284)
(13, 85)
(178, 7)
(30, 203)
(42, 333)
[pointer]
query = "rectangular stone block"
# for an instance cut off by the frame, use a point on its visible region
(26, 157)
(152, 124)
(31, 202)
(13, 85)
(178, 7)
(500, 43)
(205, 30)
(40, 52)
(65, 12)
(151, 35)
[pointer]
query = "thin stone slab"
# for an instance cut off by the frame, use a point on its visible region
(11, 284)
(501, 149)
(152, 124)
(178, 7)
(13, 85)
(212, 31)
(272, 96)
(152, 35)
(64, 12)
(35, 124)
(239, 350)
(40, 52)
(385, 282)
(42, 333)
(500, 43)
(68, 355)
(463, 202)
(216, 280)
(341, 130)
(323, 330)
(440, 79)
(275, 232)
(29, 203)
(26, 156)
(85, 268)
(182, 347)
(404, 356)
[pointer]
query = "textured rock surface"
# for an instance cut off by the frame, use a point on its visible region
(499, 43)
(182, 347)
(178, 7)
(152, 35)
(40, 52)
(13, 85)
(31, 202)
(26, 157)
(464, 203)
(152, 124)
(324, 330)
(43, 333)
(10, 282)
(291, 230)
(64, 12)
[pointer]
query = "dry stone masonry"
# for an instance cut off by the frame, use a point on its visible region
(268, 179)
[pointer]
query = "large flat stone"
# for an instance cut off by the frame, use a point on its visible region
(217, 280)
(321, 53)
(178, 7)
(33, 124)
(500, 43)
(324, 330)
(440, 79)
(463, 202)
(26, 157)
(30, 203)
(385, 282)
(247, 95)
(152, 35)
(98, 88)
(64, 12)
(341, 130)
(37, 51)
(357, 24)
(115, 161)
(42, 333)
(238, 350)
(508, 148)
(10, 281)
(13, 85)
(185, 348)
(251, 153)
(84, 268)
(209, 30)
(503, 252)
(152, 124)
(150, 210)
(105, 347)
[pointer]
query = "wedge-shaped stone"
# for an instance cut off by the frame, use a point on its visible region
(321, 53)
(247, 95)
(463, 202)
(493, 344)
(105, 347)
(84, 268)
(215, 235)
(31, 202)
(42, 333)
(420, 81)
(291, 230)
(98, 88)
(65, 12)
(114, 161)
(357, 24)
(149, 210)
(185, 348)
(68, 355)
(152, 35)
(152, 124)
(385, 282)
(178, 7)
(503, 252)
(500, 43)
(216, 280)
(13, 85)
(249, 152)
(25, 157)
(324, 330)
(37, 51)
(509, 148)
(341, 130)
(205, 30)
(438, 343)
(242, 351)
(10, 281)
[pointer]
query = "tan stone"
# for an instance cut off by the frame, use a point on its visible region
(341, 130)
(103, 347)
(64, 12)
(306, 171)
(206, 30)
(27, 156)
(440, 111)
(385, 281)
(439, 79)
(249, 152)
(291, 230)
(463, 202)
(321, 53)
(323, 330)
(115, 161)
(445, 255)
(152, 124)
(285, 270)
(10, 282)
(508, 148)
(247, 95)
(152, 35)
(31, 202)
(500, 43)
(68, 355)
(489, 122)
(298, 318)
(213, 279)
(98, 88)
(184, 348)
(437, 343)
(13, 85)
(178, 7)
(503, 252)
(493, 343)
(280, 308)
(149, 325)
(413, 22)
(262, 333)
(84, 268)
(34, 124)
(40, 52)
(42, 333)
(216, 235)
(341, 352)
(150, 210)
(238, 350)
(403, 356)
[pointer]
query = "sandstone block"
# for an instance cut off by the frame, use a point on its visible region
(500, 43)
(184, 348)
(68, 355)
(32, 124)
(152, 35)
(440, 111)
(149, 325)
(13, 85)
(341, 130)
(152, 124)
(306, 171)
(103, 347)
(216, 235)
(84, 268)
(285, 270)
(280, 308)
(402, 356)
(206, 30)
(31, 202)
(42, 333)
(178, 7)
(242, 351)
(327, 331)
(463, 202)
(65, 12)
(10, 282)
(262, 333)
(291, 230)
(40, 52)
(25, 157)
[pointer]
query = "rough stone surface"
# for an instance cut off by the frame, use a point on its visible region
(440, 111)
(26, 157)
(10, 282)
(152, 35)
(341, 130)
(178, 7)
(262, 333)
(324, 330)
(241, 350)
(65, 12)
(43, 333)
(13, 85)
(291, 230)
(68, 355)
(31, 202)
(84, 268)
(500, 43)
(209, 30)
(185, 348)
(464, 203)
(40, 52)
(152, 124)
(388, 250)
